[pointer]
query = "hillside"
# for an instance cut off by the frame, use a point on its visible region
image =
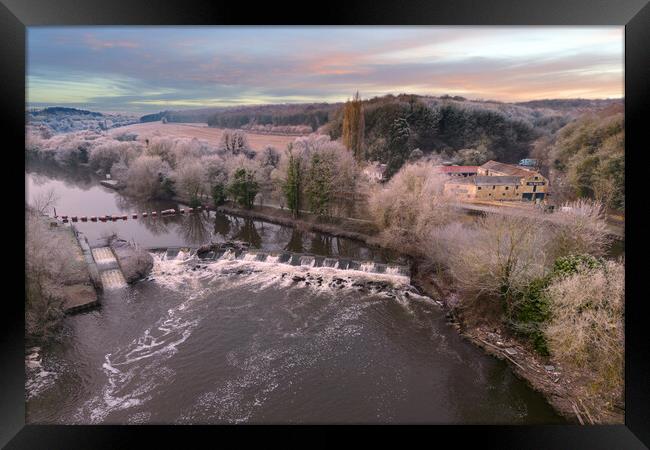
(455, 129)
(59, 119)
(261, 118)
(586, 158)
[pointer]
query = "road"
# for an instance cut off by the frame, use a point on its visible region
(615, 224)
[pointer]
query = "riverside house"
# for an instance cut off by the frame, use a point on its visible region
(499, 181)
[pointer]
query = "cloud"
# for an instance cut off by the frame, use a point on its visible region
(148, 68)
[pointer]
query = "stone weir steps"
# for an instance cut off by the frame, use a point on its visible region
(109, 269)
(223, 252)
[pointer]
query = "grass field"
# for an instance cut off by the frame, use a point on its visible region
(201, 131)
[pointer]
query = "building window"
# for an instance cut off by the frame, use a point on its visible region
(506, 188)
(479, 188)
(494, 187)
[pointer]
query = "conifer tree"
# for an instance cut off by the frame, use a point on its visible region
(319, 185)
(293, 184)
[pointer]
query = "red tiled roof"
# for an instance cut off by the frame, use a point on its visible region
(457, 169)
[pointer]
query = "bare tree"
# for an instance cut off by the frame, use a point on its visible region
(234, 142)
(190, 180)
(44, 201)
(498, 256)
(145, 175)
(410, 205)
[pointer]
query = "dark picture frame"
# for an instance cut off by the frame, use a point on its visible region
(16, 15)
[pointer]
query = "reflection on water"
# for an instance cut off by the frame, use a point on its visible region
(237, 340)
(85, 196)
(247, 231)
(321, 244)
(194, 228)
(80, 177)
(295, 242)
(222, 225)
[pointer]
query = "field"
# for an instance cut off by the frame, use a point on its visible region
(201, 131)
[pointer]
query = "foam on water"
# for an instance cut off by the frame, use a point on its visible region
(367, 267)
(38, 378)
(273, 259)
(264, 368)
(135, 371)
(143, 359)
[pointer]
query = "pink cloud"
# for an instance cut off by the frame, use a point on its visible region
(98, 44)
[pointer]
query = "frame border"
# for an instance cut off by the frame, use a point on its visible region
(16, 15)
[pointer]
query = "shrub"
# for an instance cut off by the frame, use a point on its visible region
(579, 227)
(571, 264)
(529, 313)
(585, 332)
(50, 262)
(126, 137)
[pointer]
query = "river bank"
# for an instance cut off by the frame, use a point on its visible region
(262, 334)
(424, 276)
(58, 280)
(560, 388)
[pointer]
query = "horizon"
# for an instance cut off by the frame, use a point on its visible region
(150, 69)
(252, 105)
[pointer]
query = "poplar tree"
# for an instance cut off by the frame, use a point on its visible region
(353, 126)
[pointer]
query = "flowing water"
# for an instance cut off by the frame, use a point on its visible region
(302, 328)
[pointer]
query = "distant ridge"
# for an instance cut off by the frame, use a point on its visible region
(315, 113)
(571, 103)
(62, 110)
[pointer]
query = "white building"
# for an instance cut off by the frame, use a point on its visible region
(375, 171)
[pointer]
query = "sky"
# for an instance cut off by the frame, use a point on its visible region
(147, 69)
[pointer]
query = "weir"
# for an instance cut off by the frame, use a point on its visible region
(284, 257)
(109, 269)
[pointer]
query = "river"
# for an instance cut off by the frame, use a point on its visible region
(240, 341)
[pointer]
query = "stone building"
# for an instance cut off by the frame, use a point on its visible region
(499, 181)
(458, 171)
